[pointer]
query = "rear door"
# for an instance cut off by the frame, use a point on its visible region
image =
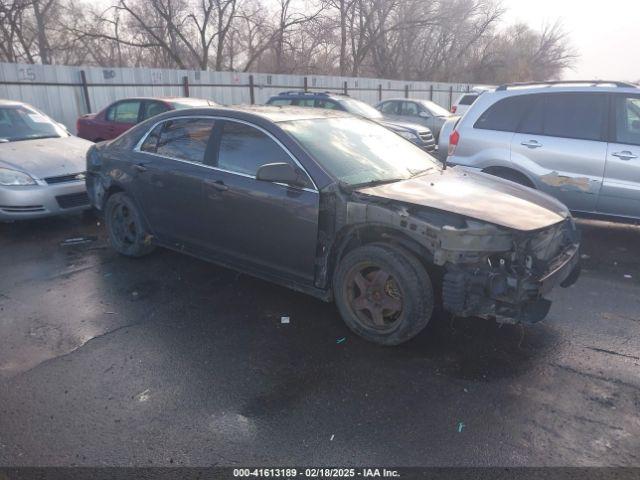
(121, 116)
(561, 143)
(620, 194)
(169, 171)
(264, 225)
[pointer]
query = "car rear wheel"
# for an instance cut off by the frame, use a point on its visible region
(125, 227)
(383, 293)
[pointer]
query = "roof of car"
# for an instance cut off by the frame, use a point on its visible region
(302, 94)
(283, 113)
(11, 102)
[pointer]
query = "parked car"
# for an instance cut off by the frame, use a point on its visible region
(421, 112)
(338, 207)
(42, 166)
(464, 101)
(577, 141)
(417, 134)
(120, 116)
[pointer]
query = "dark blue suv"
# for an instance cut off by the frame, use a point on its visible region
(417, 134)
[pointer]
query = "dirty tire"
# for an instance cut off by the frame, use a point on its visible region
(369, 282)
(125, 227)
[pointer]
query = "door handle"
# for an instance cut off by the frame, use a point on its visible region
(531, 144)
(217, 184)
(140, 167)
(624, 155)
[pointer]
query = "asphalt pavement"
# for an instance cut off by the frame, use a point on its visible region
(168, 360)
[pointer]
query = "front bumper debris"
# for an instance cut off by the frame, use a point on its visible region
(512, 293)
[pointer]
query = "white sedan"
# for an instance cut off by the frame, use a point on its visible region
(42, 166)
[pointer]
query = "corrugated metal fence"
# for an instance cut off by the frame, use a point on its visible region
(64, 93)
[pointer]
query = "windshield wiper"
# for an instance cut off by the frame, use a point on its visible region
(374, 183)
(421, 172)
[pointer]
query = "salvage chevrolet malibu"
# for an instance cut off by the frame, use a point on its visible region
(338, 207)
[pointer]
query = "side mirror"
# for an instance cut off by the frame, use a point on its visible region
(280, 173)
(424, 115)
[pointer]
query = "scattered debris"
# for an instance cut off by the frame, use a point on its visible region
(78, 241)
(465, 390)
(110, 313)
(108, 274)
(144, 396)
(284, 319)
(627, 276)
(461, 425)
(332, 437)
(134, 294)
(341, 340)
(584, 256)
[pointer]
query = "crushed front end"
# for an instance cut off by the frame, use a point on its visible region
(510, 285)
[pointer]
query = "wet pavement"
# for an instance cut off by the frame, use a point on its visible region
(168, 360)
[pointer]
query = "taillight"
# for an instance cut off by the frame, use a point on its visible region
(454, 138)
(454, 108)
(77, 125)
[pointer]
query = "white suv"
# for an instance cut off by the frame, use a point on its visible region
(577, 141)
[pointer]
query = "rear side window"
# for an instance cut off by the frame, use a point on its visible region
(575, 115)
(304, 102)
(244, 149)
(184, 138)
(280, 101)
(124, 112)
(467, 99)
(504, 115)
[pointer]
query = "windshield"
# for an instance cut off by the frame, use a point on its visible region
(360, 108)
(359, 152)
(18, 122)
(436, 109)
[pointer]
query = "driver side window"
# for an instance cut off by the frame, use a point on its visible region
(410, 108)
(244, 149)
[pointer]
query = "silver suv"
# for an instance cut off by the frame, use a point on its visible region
(577, 141)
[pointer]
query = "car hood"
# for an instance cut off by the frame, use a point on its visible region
(402, 126)
(47, 157)
(476, 195)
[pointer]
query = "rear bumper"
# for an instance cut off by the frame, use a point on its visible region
(38, 201)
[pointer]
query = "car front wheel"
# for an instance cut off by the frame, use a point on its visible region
(383, 293)
(125, 227)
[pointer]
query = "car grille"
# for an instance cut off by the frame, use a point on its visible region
(22, 209)
(427, 140)
(73, 200)
(74, 177)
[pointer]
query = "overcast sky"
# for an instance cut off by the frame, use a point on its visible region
(605, 33)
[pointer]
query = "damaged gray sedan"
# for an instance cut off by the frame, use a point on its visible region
(337, 207)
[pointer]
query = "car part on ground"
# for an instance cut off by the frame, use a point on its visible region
(42, 166)
(337, 207)
(576, 141)
(123, 114)
(418, 134)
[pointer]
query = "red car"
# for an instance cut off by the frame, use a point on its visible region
(120, 116)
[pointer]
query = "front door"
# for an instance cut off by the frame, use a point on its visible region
(561, 140)
(262, 225)
(620, 194)
(168, 174)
